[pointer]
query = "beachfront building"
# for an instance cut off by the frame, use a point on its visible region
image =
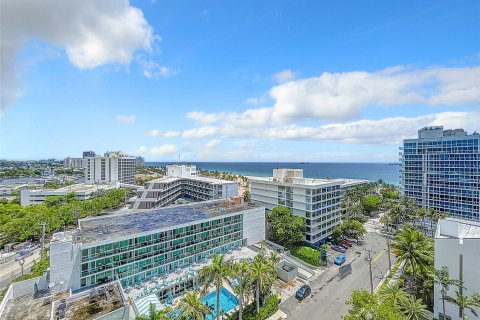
(74, 163)
(182, 184)
(112, 167)
(82, 192)
(319, 201)
(457, 247)
(138, 245)
(441, 170)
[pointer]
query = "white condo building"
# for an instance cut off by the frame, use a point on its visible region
(112, 167)
(74, 163)
(319, 201)
(457, 247)
(182, 183)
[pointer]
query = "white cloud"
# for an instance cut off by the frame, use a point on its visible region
(284, 76)
(384, 131)
(126, 118)
(212, 144)
(162, 150)
(92, 32)
(151, 69)
(155, 133)
(337, 97)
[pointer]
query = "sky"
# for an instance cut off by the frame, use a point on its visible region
(317, 81)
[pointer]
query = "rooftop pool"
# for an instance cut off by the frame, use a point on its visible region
(227, 302)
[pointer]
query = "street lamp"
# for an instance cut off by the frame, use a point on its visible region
(21, 263)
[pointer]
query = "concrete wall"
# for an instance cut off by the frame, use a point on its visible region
(254, 225)
(19, 289)
(63, 259)
(284, 275)
(119, 314)
(447, 253)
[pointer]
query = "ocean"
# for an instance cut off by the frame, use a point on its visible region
(369, 171)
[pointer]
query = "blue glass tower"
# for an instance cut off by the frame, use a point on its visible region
(441, 170)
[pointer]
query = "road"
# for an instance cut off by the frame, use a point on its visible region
(11, 269)
(334, 286)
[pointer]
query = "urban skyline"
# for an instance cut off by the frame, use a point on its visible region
(186, 81)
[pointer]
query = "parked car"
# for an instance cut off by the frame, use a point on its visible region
(303, 292)
(340, 259)
(352, 240)
(343, 245)
(338, 248)
(348, 243)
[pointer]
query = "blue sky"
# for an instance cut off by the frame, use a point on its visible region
(235, 81)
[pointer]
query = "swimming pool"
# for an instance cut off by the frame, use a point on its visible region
(227, 302)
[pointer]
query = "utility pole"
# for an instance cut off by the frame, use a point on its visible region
(43, 224)
(369, 260)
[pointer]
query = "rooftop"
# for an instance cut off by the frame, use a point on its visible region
(197, 178)
(138, 221)
(79, 187)
(310, 181)
(458, 229)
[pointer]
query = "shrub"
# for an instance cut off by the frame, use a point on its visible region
(269, 307)
(307, 254)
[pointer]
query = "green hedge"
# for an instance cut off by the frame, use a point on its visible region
(267, 310)
(307, 254)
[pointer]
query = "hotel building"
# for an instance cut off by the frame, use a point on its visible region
(457, 247)
(138, 245)
(441, 170)
(319, 201)
(180, 183)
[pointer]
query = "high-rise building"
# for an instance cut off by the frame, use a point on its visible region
(88, 154)
(441, 170)
(457, 247)
(182, 183)
(112, 167)
(140, 162)
(319, 201)
(74, 163)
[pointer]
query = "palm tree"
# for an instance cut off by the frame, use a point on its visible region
(191, 307)
(464, 302)
(414, 248)
(241, 270)
(218, 273)
(262, 273)
(422, 213)
(413, 308)
(392, 292)
(156, 314)
(442, 278)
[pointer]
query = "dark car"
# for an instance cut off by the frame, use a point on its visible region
(303, 292)
(339, 249)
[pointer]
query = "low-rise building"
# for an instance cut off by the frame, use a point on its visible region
(317, 200)
(182, 182)
(457, 247)
(81, 190)
(139, 245)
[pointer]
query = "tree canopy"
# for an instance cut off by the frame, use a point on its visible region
(284, 227)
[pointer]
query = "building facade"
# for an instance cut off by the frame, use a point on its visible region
(441, 170)
(88, 154)
(457, 247)
(112, 167)
(82, 191)
(138, 245)
(319, 201)
(74, 163)
(183, 183)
